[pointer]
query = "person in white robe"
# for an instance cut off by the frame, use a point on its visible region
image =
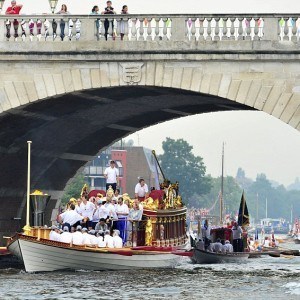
(86, 240)
(77, 236)
(218, 246)
(93, 238)
(54, 234)
(118, 242)
(227, 248)
(108, 239)
(211, 247)
(101, 242)
(200, 245)
(66, 236)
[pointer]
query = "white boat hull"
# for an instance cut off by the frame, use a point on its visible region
(41, 257)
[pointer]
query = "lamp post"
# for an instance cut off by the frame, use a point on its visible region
(1, 5)
(53, 4)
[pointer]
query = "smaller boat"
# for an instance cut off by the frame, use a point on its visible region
(201, 256)
(297, 239)
(205, 257)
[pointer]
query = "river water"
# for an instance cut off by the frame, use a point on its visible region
(260, 278)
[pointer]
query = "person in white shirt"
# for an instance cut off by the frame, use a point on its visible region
(118, 242)
(227, 248)
(77, 206)
(122, 212)
(141, 190)
(237, 242)
(77, 236)
(218, 247)
(54, 234)
(206, 229)
(101, 212)
(108, 239)
(66, 236)
(112, 176)
(141, 207)
(87, 210)
(112, 216)
(70, 218)
(266, 242)
(101, 242)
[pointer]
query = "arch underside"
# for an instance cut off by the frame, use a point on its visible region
(68, 130)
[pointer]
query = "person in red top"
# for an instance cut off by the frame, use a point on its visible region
(14, 9)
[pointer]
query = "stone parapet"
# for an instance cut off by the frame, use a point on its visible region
(190, 27)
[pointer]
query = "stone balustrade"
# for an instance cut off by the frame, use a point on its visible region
(200, 28)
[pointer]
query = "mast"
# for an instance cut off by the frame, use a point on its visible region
(266, 207)
(162, 173)
(222, 188)
(257, 208)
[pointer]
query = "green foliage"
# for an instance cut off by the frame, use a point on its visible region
(279, 200)
(231, 197)
(73, 189)
(180, 164)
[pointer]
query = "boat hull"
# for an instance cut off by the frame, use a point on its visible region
(204, 257)
(39, 256)
(297, 241)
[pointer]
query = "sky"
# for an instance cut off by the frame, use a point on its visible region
(254, 141)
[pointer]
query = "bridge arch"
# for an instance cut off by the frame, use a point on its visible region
(266, 86)
(74, 98)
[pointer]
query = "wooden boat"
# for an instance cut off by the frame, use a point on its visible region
(45, 255)
(205, 257)
(158, 236)
(155, 249)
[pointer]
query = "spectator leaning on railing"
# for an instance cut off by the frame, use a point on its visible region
(14, 9)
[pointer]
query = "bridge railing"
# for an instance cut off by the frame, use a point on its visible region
(149, 27)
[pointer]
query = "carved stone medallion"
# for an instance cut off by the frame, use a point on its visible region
(132, 73)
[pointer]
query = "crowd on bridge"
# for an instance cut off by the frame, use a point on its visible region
(109, 25)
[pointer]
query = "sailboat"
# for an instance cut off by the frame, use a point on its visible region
(205, 257)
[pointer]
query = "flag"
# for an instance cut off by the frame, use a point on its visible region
(243, 218)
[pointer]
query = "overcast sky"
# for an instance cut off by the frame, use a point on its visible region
(254, 141)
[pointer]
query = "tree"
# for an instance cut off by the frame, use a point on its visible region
(73, 189)
(180, 164)
(231, 197)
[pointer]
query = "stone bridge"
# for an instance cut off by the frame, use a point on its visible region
(73, 93)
